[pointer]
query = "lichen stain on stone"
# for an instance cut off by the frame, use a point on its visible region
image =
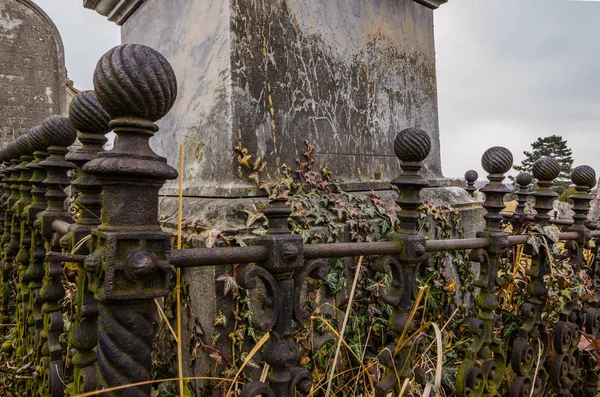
(197, 149)
(304, 91)
(8, 23)
(201, 143)
(49, 95)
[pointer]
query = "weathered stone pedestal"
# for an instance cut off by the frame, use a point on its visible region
(342, 75)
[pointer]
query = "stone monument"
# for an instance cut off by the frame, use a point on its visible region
(32, 68)
(342, 75)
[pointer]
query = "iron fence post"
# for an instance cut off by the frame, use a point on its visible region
(574, 318)
(12, 232)
(482, 370)
(29, 273)
(280, 275)
(523, 181)
(7, 268)
(411, 146)
(532, 343)
(471, 177)
(35, 269)
(58, 133)
(15, 249)
(128, 264)
(91, 120)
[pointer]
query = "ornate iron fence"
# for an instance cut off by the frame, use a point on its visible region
(128, 260)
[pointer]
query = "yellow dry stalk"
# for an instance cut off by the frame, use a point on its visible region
(252, 353)
(337, 334)
(149, 382)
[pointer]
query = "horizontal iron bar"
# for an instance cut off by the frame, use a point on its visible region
(531, 218)
(560, 222)
(568, 236)
(457, 244)
(338, 250)
(60, 227)
(229, 255)
(217, 256)
(59, 257)
(522, 238)
(518, 240)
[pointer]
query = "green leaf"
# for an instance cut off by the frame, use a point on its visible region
(535, 243)
(551, 232)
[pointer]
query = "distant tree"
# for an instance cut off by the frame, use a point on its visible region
(564, 196)
(551, 146)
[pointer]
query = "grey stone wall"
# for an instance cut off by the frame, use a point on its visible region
(342, 75)
(32, 68)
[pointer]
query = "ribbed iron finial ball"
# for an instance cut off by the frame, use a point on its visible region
(87, 115)
(524, 178)
(546, 169)
(471, 176)
(497, 160)
(412, 145)
(5, 153)
(584, 175)
(22, 146)
(58, 131)
(35, 139)
(132, 80)
(11, 151)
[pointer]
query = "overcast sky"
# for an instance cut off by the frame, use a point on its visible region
(86, 37)
(509, 71)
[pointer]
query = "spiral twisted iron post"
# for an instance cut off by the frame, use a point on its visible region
(128, 266)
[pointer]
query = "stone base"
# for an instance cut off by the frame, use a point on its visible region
(236, 191)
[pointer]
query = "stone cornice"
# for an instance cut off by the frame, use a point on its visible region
(116, 11)
(432, 3)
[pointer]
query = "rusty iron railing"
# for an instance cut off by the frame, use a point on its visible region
(124, 260)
